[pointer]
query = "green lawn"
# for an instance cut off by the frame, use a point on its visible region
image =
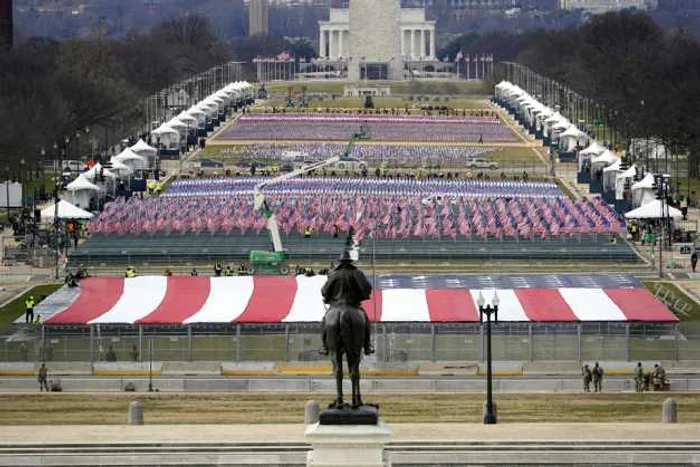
(408, 87)
(507, 157)
(391, 102)
(683, 186)
(15, 308)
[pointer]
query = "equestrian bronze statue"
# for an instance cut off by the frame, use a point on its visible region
(345, 327)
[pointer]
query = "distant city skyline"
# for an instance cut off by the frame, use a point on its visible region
(299, 18)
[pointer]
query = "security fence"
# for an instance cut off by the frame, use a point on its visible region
(394, 342)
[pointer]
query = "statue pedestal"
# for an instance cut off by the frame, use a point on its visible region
(347, 445)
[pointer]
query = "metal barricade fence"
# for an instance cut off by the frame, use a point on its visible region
(394, 342)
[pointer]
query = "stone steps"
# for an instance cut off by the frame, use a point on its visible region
(401, 453)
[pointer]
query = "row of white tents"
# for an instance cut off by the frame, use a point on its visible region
(196, 117)
(596, 156)
(549, 122)
(99, 180)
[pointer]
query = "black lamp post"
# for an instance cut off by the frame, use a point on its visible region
(21, 179)
(7, 190)
(36, 188)
(662, 195)
(57, 184)
(488, 310)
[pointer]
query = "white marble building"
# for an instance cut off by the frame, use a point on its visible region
(375, 24)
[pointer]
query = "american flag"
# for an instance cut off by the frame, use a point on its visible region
(459, 56)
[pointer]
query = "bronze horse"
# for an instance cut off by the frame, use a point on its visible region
(345, 334)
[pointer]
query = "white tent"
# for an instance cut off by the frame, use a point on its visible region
(82, 191)
(143, 149)
(643, 191)
(120, 167)
(610, 175)
(94, 172)
(606, 159)
(131, 159)
(555, 118)
(621, 180)
(646, 183)
(179, 124)
(652, 210)
(595, 149)
(571, 138)
(573, 132)
(169, 137)
(561, 125)
(82, 183)
(187, 118)
(65, 211)
(198, 114)
(629, 173)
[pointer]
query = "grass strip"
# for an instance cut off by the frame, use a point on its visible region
(162, 408)
(14, 309)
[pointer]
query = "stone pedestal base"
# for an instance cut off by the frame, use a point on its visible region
(348, 445)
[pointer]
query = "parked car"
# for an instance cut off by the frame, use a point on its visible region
(351, 163)
(481, 164)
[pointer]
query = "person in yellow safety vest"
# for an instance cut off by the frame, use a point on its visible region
(37, 320)
(308, 231)
(151, 186)
(130, 272)
(29, 309)
(228, 272)
(159, 188)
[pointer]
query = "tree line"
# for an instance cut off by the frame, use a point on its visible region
(647, 76)
(51, 89)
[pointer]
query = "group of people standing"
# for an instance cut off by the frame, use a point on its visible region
(656, 379)
(596, 375)
(642, 381)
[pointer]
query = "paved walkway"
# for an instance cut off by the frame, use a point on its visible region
(505, 432)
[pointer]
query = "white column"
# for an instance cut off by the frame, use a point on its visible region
(414, 50)
(422, 43)
(333, 41)
(407, 42)
(322, 44)
(340, 43)
(432, 44)
(403, 43)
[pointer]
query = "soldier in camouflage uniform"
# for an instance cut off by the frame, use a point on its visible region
(639, 378)
(586, 378)
(597, 378)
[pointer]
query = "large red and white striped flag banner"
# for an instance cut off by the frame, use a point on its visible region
(269, 299)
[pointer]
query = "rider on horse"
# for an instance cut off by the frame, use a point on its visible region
(346, 285)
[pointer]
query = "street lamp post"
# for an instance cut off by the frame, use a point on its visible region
(661, 195)
(43, 159)
(21, 179)
(7, 190)
(56, 221)
(488, 310)
(150, 365)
